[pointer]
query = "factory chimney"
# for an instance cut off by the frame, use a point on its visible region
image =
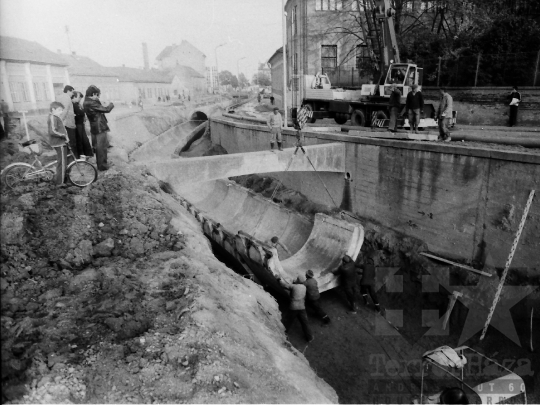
(145, 56)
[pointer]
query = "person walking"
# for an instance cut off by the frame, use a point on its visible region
(259, 98)
(58, 138)
(515, 99)
(414, 106)
(272, 99)
(83, 143)
(275, 123)
(367, 282)
(4, 110)
(444, 115)
(95, 112)
(297, 307)
(394, 105)
(313, 295)
(68, 117)
(349, 273)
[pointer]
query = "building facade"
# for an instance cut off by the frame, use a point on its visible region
(212, 83)
(31, 75)
(184, 54)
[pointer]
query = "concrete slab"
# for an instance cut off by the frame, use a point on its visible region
(325, 158)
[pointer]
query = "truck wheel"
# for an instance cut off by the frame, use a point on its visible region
(309, 107)
(358, 118)
(341, 118)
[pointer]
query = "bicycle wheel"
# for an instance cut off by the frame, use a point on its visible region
(16, 174)
(81, 173)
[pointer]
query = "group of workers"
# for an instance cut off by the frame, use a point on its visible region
(304, 290)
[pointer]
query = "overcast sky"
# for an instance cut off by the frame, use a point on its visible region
(111, 32)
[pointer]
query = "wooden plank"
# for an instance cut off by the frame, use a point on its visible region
(455, 264)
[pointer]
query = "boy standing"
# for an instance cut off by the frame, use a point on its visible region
(95, 112)
(57, 139)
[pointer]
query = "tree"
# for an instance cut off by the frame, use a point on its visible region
(226, 78)
(261, 79)
(242, 80)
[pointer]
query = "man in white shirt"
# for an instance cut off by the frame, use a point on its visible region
(275, 123)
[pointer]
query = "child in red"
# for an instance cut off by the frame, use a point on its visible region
(57, 139)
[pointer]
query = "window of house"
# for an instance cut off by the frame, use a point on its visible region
(328, 56)
(362, 55)
(40, 91)
(294, 24)
(323, 5)
(19, 92)
(409, 5)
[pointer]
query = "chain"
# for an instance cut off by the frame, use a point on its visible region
(507, 265)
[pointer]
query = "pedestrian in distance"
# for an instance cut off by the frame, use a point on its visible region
(4, 110)
(275, 123)
(95, 112)
(68, 117)
(444, 115)
(367, 282)
(58, 138)
(297, 307)
(259, 98)
(272, 99)
(515, 99)
(313, 295)
(83, 143)
(394, 105)
(414, 106)
(349, 273)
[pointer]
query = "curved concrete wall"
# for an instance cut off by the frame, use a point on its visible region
(464, 202)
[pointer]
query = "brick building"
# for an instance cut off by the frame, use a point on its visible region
(30, 74)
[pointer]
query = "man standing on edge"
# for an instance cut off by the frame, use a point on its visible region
(68, 118)
(394, 104)
(444, 115)
(275, 122)
(414, 107)
(349, 280)
(313, 295)
(5, 114)
(367, 283)
(95, 112)
(297, 309)
(515, 99)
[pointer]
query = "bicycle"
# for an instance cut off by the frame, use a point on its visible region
(80, 173)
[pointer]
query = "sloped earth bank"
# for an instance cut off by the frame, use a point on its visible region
(111, 294)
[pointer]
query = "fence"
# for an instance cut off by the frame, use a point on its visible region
(481, 70)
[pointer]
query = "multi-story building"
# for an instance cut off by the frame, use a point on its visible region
(31, 75)
(323, 37)
(212, 79)
(184, 54)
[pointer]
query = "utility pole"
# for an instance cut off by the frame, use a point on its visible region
(477, 68)
(439, 72)
(536, 68)
(284, 23)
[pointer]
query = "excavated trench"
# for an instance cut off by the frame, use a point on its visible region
(367, 357)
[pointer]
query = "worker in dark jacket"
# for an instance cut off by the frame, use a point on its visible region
(515, 99)
(414, 107)
(367, 283)
(95, 112)
(313, 295)
(349, 273)
(394, 105)
(297, 308)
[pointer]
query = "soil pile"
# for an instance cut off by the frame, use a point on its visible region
(111, 294)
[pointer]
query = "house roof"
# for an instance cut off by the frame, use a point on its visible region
(84, 66)
(168, 49)
(127, 74)
(186, 71)
(278, 52)
(21, 50)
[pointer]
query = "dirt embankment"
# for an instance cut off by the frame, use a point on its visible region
(111, 294)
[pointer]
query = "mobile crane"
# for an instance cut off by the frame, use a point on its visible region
(368, 106)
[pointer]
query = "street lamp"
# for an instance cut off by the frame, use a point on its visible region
(217, 70)
(238, 68)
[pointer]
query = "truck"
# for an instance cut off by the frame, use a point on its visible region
(368, 106)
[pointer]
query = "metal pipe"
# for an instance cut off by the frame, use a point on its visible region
(284, 28)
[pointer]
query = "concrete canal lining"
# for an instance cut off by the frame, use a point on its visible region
(464, 202)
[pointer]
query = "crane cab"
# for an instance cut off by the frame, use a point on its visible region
(404, 75)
